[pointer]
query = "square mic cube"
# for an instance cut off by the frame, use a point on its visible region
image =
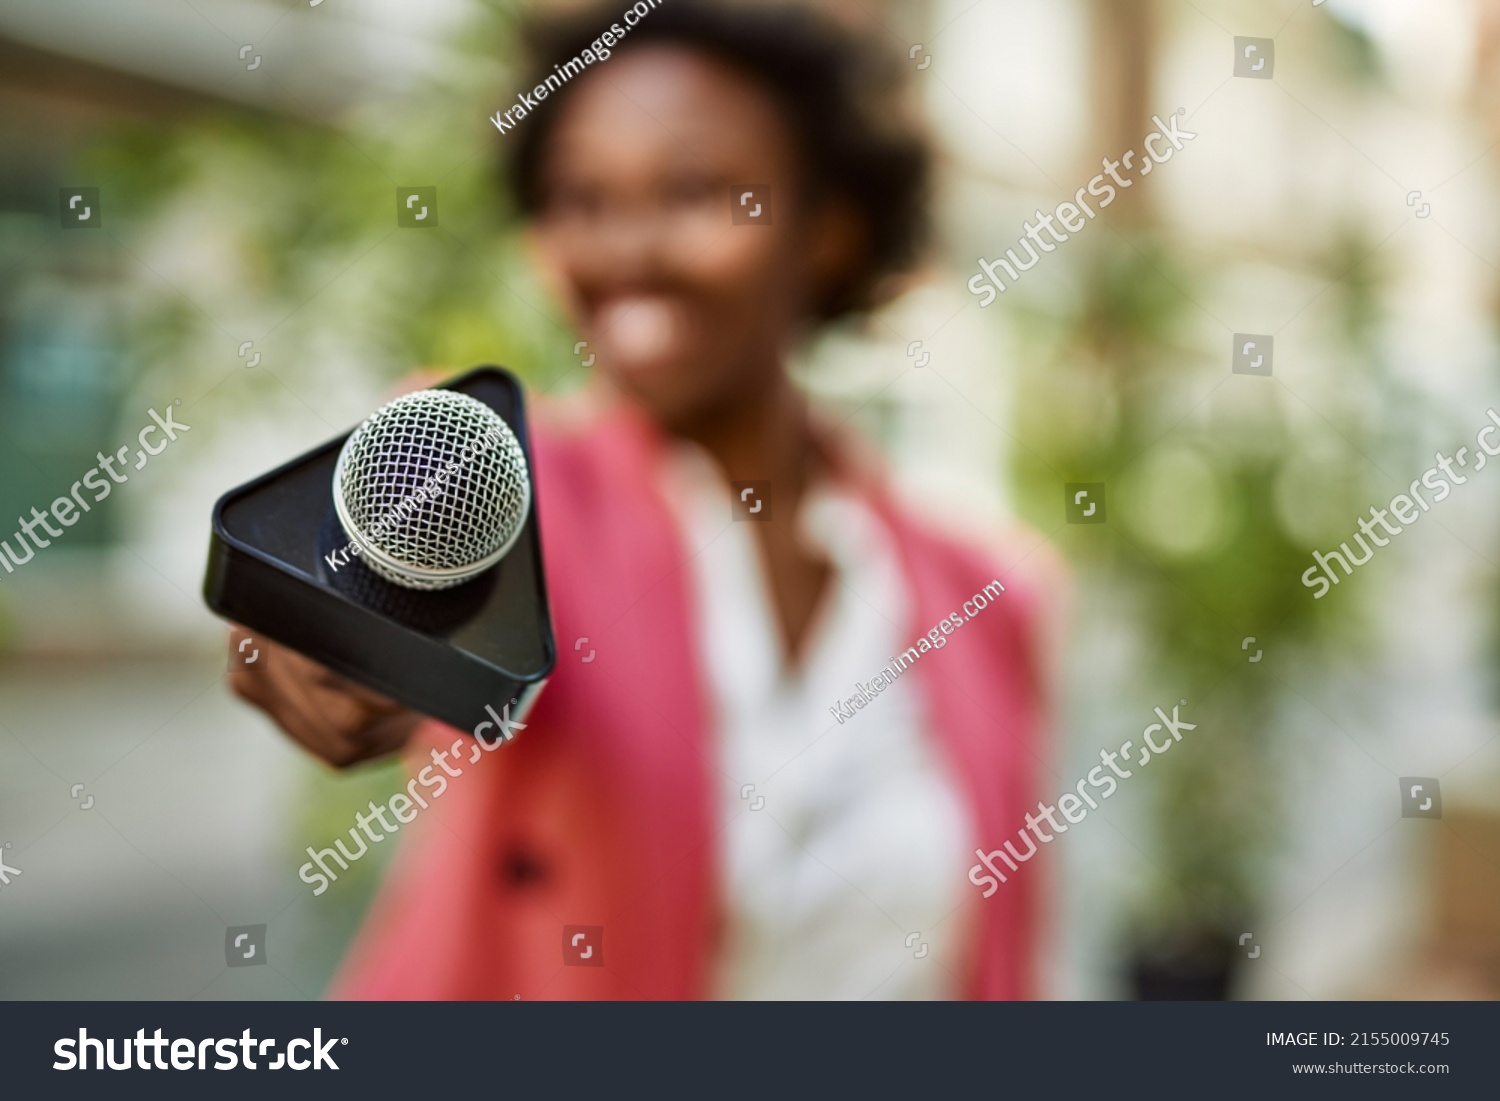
(404, 556)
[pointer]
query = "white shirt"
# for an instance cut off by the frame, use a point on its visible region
(853, 836)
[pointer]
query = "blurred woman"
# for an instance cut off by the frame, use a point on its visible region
(703, 804)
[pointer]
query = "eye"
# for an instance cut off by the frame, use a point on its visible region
(691, 189)
(574, 200)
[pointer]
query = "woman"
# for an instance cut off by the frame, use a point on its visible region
(703, 804)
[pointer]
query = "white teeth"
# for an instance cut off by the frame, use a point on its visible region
(635, 330)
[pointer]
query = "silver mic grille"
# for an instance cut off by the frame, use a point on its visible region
(433, 489)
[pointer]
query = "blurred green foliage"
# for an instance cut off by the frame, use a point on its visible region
(251, 226)
(292, 226)
(1218, 486)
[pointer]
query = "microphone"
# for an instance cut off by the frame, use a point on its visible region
(405, 556)
(432, 489)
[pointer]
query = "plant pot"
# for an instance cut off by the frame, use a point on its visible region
(1189, 965)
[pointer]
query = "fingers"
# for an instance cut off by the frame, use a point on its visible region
(388, 735)
(340, 722)
(320, 675)
(323, 720)
(328, 679)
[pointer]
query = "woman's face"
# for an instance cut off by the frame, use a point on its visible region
(688, 310)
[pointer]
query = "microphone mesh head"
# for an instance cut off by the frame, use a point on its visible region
(433, 489)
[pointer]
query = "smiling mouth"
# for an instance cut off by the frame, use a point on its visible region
(640, 331)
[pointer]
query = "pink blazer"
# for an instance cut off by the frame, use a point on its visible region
(603, 811)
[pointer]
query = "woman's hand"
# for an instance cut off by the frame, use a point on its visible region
(337, 720)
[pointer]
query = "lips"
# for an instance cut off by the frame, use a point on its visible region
(640, 331)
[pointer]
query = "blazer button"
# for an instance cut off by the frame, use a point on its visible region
(521, 867)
